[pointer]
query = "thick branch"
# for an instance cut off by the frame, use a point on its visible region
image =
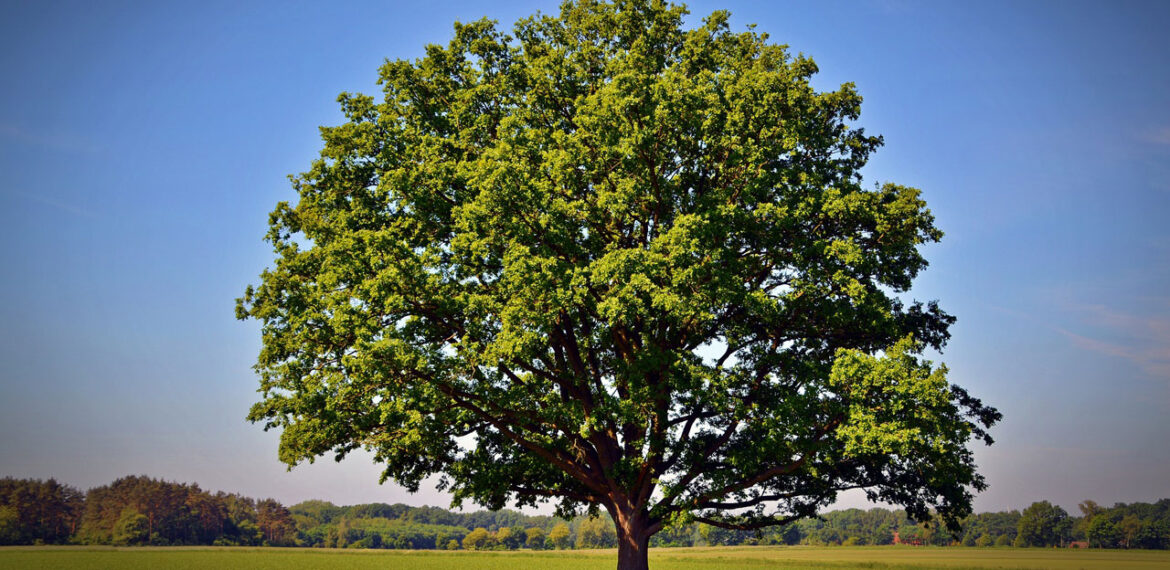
(562, 461)
(526, 490)
(751, 525)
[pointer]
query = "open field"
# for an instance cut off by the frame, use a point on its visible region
(660, 559)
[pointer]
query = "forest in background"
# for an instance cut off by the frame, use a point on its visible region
(140, 510)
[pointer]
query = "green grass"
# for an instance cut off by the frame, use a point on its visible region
(660, 559)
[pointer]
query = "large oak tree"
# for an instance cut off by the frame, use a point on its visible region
(610, 262)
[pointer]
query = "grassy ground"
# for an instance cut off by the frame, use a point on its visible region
(660, 559)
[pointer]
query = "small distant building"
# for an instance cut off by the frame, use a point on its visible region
(1078, 544)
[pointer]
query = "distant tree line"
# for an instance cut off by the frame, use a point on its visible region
(140, 510)
(1042, 524)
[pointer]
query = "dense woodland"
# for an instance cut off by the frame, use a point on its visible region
(140, 510)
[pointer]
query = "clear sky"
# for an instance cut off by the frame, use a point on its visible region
(142, 146)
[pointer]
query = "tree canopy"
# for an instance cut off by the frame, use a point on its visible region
(611, 262)
(1043, 524)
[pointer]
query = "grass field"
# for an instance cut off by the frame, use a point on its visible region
(660, 559)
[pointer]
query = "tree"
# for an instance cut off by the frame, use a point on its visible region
(10, 531)
(33, 511)
(208, 515)
(1090, 509)
(478, 539)
(595, 533)
(517, 537)
(717, 536)
(1043, 524)
(558, 537)
(1128, 527)
(506, 539)
(131, 528)
(248, 534)
(276, 523)
(535, 538)
(1152, 535)
(790, 535)
(634, 264)
(1101, 532)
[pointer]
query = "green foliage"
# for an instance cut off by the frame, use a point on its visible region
(634, 263)
(1043, 524)
(511, 538)
(10, 531)
(676, 535)
(226, 520)
(992, 525)
(247, 534)
(320, 511)
(132, 528)
(1102, 533)
(535, 538)
(478, 539)
(275, 523)
(594, 532)
(558, 537)
(399, 526)
(716, 536)
(179, 514)
(873, 526)
(32, 510)
(1135, 525)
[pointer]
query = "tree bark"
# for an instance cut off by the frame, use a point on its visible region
(633, 546)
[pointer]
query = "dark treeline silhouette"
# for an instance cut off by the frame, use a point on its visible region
(140, 510)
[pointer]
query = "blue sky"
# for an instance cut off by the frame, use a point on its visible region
(142, 146)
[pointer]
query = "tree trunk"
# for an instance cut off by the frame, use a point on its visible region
(633, 546)
(632, 553)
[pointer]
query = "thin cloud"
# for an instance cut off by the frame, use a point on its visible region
(894, 6)
(1143, 340)
(1160, 136)
(55, 141)
(60, 205)
(63, 206)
